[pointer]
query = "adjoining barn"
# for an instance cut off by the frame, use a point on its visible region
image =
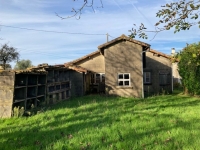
(39, 86)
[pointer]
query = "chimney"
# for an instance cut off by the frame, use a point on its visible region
(173, 52)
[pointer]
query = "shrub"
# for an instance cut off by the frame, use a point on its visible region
(189, 68)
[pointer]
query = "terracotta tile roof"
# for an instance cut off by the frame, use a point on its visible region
(46, 66)
(162, 54)
(30, 71)
(123, 37)
(82, 58)
(77, 68)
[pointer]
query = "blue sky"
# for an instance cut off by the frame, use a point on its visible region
(115, 18)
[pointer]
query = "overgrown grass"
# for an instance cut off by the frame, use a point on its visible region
(168, 122)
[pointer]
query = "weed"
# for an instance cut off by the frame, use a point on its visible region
(18, 112)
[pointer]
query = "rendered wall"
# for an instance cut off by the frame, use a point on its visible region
(95, 63)
(123, 57)
(175, 73)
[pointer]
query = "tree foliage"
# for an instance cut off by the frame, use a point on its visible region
(180, 15)
(189, 68)
(8, 54)
(23, 64)
(8, 66)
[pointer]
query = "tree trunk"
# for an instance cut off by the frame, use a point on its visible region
(186, 90)
(4, 65)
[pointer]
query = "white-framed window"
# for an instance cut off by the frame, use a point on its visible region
(97, 78)
(124, 79)
(147, 77)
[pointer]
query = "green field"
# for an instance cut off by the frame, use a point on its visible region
(166, 122)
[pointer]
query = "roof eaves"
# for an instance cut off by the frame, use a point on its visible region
(123, 37)
(82, 58)
(160, 54)
(77, 68)
(164, 55)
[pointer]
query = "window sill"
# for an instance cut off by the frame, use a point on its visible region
(124, 87)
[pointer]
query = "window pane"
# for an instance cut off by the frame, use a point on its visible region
(97, 78)
(147, 77)
(124, 79)
(126, 76)
(147, 74)
(126, 83)
(147, 80)
(120, 83)
(120, 76)
(97, 75)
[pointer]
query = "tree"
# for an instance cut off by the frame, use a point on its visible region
(180, 15)
(189, 68)
(23, 64)
(8, 66)
(8, 54)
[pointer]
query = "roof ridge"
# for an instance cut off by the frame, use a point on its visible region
(123, 37)
(81, 58)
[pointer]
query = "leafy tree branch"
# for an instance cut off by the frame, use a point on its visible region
(180, 15)
(78, 12)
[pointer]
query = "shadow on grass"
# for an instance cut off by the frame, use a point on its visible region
(93, 113)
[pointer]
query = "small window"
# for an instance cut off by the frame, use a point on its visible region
(164, 79)
(98, 78)
(124, 79)
(147, 77)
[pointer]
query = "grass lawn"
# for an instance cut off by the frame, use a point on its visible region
(168, 122)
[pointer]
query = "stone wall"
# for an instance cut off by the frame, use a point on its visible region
(124, 57)
(6, 93)
(157, 65)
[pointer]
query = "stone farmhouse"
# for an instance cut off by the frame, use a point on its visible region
(126, 67)
(122, 67)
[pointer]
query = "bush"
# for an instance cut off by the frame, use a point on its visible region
(189, 68)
